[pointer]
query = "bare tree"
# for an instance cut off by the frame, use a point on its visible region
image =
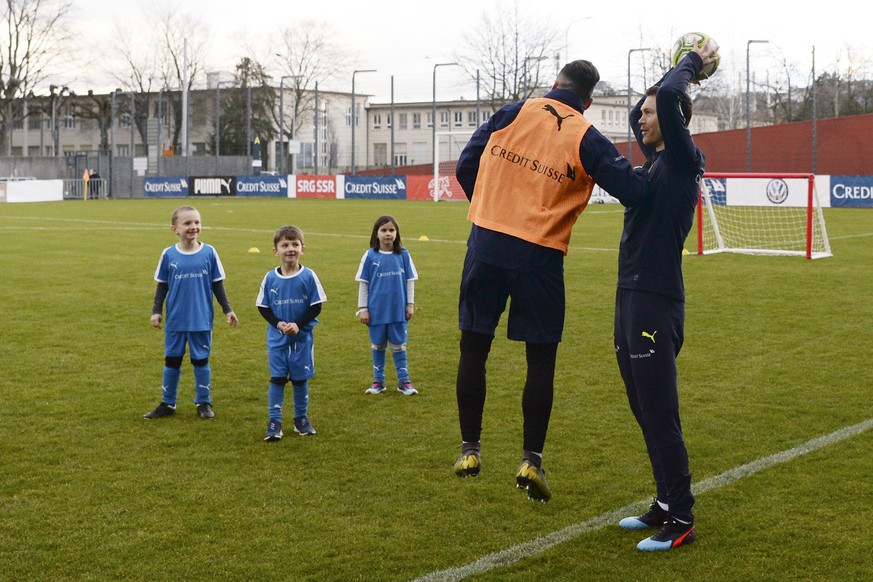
(180, 48)
(308, 54)
(508, 49)
(154, 63)
(33, 34)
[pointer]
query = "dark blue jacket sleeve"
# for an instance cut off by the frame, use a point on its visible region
(679, 146)
(612, 171)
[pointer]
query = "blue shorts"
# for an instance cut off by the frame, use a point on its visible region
(199, 344)
(381, 333)
(536, 312)
(296, 361)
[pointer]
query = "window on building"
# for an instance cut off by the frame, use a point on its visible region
(486, 115)
(34, 122)
(69, 122)
(471, 119)
(421, 153)
(416, 121)
(123, 150)
(458, 118)
(444, 118)
(304, 160)
(430, 119)
(377, 121)
(403, 120)
(124, 120)
(380, 154)
(400, 158)
(162, 112)
(388, 120)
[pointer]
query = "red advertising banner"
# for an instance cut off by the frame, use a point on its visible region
(315, 187)
(420, 187)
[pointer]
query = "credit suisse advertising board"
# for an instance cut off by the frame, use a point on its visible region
(832, 191)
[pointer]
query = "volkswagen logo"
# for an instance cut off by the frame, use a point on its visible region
(777, 191)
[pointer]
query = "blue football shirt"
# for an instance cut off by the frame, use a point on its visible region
(386, 274)
(289, 297)
(189, 277)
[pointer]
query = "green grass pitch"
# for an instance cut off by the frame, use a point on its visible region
(776, 354)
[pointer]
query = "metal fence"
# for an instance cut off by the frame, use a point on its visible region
(75, 189)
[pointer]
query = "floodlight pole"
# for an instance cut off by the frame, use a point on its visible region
(218, 120)
(282, 156)
(527, 79)
(814, 117)
(749, 108)
(433, 115)
(353, 113)
(567, 38)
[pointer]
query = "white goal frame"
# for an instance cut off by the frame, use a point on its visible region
(445, 186)
(768, 198)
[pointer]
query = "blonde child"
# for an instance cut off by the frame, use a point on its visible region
(189, 273)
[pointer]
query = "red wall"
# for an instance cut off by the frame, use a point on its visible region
(842, 147)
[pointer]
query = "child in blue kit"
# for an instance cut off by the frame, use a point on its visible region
(189, 273)
(386, 294)
(290, 300)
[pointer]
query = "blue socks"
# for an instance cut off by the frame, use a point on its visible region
(276, 399)
(170, 386)
(202, 381)
(301, 398)
(379, 365)
(401, 365)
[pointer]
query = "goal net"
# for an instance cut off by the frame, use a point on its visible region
(762, 214)
(447, 150)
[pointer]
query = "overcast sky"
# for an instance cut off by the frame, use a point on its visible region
(406, 39)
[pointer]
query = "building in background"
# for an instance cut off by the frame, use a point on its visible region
(147, 126)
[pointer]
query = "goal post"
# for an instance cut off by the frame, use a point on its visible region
(761, 214)
(447, 150)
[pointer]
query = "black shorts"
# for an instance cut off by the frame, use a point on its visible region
(536, 312)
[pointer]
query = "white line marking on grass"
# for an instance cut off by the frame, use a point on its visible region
(848, 236)
(529, 549)
(118, 225)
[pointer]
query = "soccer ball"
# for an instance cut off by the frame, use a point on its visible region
(684, 44)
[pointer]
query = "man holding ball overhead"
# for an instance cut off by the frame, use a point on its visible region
(650, 298)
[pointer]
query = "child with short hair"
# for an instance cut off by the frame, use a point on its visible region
(386, 296)
(189, 273)
(290, 300)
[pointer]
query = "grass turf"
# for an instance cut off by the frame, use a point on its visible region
(773, 357)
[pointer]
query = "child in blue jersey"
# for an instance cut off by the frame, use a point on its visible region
(386, 294)
(189, 273)
(290, 300)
